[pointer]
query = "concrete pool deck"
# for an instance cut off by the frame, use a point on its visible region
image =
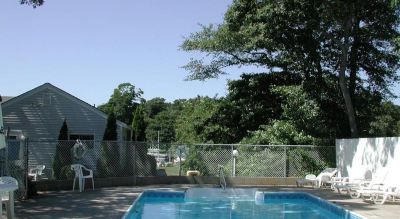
(113, 202)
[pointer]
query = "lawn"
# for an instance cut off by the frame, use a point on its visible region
(172, 171)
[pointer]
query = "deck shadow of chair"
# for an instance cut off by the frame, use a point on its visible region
(36, 171)
(81, 173)
(8, 197)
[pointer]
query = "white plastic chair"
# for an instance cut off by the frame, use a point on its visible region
(79, 174)
(324, 177)
(36, 171)
(8, 197)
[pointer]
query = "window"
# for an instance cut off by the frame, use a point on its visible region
(81, 137)
(88, 140)
(12, 137)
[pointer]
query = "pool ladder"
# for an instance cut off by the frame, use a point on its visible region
(221, 175)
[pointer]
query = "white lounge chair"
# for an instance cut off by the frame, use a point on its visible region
(79, 174)
(324, 177)
(350, 185)
(389, 192)
(368, 190)
(36, 171)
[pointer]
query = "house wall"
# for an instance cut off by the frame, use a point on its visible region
(39, 114)
(379, 155)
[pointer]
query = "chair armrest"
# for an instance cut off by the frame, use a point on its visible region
(88, 170)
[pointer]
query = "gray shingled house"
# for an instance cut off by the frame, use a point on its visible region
(39, 113)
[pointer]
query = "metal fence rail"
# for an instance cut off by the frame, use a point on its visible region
(120, 159)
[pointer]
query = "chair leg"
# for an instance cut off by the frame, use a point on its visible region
(73, 185)
(83, 184)
(93, 183)
(80, 184)
(10, 205)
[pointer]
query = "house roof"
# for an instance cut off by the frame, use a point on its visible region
(11, 100)
(5, 98)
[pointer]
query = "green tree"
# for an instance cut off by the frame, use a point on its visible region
(352, 40)
(33, 3)
(108, 162)
(250, 102)
(191, 124)
(110, 133)
(194, 161)
(63, 135)
(164, 124)
(123, 102)
(155, 106)
(138, 125)
(386, 123)
(62, 157)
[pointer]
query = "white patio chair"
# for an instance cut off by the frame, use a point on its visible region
(351, 184)
(369, 189)
(324, 177)
(36, 171)
(79, 174)
(389, 192)
(8, 197)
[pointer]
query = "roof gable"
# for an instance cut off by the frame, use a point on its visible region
(63, 93)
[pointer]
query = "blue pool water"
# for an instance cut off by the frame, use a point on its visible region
(233, 204)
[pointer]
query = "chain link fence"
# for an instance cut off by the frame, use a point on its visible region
(121, 159)
(14, 163)
(261, 160)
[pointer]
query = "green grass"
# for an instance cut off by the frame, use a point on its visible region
(171, 171)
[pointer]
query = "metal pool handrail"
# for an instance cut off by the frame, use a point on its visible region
(221, 175)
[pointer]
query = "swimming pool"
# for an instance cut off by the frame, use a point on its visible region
(238, 203)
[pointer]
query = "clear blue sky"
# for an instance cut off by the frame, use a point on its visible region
(88, 47)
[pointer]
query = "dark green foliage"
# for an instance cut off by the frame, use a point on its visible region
(67, 173)
(161, 118)
(108, 162)
(110, 134)
(152, 163)
(138, 125)
(33, 3)
(63, 131)
(32, 190)
(313, 40)
(249, 104)
(194, 162)
(155, 106)
(123, 102)
(164, 123)
(63, 155)
(386, 122)
(192, 124)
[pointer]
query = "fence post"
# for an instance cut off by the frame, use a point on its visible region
(134, 163)
(233, 162)
(285, 170)
(26, 165)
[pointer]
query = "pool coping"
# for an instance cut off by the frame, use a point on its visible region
(347, 212)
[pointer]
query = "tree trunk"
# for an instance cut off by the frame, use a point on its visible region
(354, 54)
(342, 78)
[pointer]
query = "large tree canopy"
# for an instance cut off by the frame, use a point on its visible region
(352, 40)
(123, 102)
